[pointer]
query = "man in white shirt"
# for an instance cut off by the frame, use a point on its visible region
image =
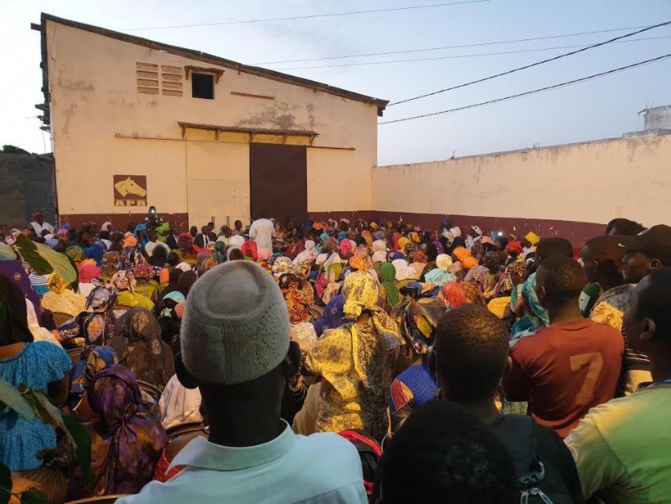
(153, 243)
(236, 348)
(39, 226)
(261, 231)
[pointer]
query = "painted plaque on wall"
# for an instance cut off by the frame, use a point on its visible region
(130, 190)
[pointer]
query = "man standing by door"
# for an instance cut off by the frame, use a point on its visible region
(261, 231)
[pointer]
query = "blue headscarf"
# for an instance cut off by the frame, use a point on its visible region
(96, 253)
(333, 315)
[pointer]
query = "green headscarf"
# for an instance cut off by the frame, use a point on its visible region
(388, 276)
(220, 251)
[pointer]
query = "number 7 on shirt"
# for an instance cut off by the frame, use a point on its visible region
(594, 361)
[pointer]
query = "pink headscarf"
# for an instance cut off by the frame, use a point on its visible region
(88, 273)
(345, 248)
(265, 254)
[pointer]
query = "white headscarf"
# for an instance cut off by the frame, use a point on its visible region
(309, 254)
(403, 271)
(379, 251)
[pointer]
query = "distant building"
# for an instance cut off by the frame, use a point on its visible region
(27, 182)
(137, 123)
(656, 121)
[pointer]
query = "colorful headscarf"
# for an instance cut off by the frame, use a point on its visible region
(529, 290)
(56, 284)
(75, 253)
(515, 246)
(129, 241)
(345, 248)
(532, 238)
(454, 295)
(418, 319)
(143, 271)
(220, 252)
(185, 246)
(473, 293)
(479, 275)
(88, 273)
(101, 299)
(208, 264)
(124, 280)
(437, 276)
(461, 253)
(249, 250)
(444, 262)
(110, 263)
(298, 297)
(469, 262)
(388, 277)
(404, 245)
(282, 265)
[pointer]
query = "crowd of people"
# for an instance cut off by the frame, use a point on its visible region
(339, 362)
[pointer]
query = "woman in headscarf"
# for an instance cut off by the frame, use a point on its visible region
(173, 278)
(40, 366)
(88, 273)
(76, 253)
(333, 316)
(61, 298)
(379, 251)
(454, 295)
(125, 446)
(415, 385)
(185, 247)
(308, 255)
(91, 361)
(140, 348)
(297, 245)
(298, 296)
(124, 283)
(249, 249)
(389, 288)
(356, 362)
(220, 252)
(110, 264)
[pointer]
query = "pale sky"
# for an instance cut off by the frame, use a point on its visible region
(602, 108)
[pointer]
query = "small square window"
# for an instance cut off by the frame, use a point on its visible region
(202, 86)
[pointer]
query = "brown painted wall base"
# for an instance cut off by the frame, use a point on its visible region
(577, 232)
(121, 221)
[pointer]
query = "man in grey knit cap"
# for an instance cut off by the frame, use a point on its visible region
(235, 344)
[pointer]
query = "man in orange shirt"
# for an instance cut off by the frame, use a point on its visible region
(571, 366)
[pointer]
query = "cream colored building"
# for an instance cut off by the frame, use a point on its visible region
(137, 123)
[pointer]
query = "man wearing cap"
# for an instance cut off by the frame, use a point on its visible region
(646, 252)
(235, 345)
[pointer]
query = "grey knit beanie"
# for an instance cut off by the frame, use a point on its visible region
(236, 325)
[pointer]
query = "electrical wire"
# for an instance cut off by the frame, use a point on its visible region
(463, 46)
(531, 65)
(535, 91)
(312, 16)
(458, 56)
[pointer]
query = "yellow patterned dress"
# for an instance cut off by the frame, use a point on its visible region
(356, 363)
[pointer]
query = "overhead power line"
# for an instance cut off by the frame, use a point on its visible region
(463, 46)
(531, 65)
(313, 16)
(461, 56)
(535, 91)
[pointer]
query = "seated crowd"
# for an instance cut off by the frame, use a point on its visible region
(339, 362)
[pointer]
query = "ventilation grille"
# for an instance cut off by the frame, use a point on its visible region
(167, 81)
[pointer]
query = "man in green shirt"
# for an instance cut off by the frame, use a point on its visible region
(622, 448)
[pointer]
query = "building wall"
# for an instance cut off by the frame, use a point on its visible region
(27, 186)
(102, 126)
(568, 190)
